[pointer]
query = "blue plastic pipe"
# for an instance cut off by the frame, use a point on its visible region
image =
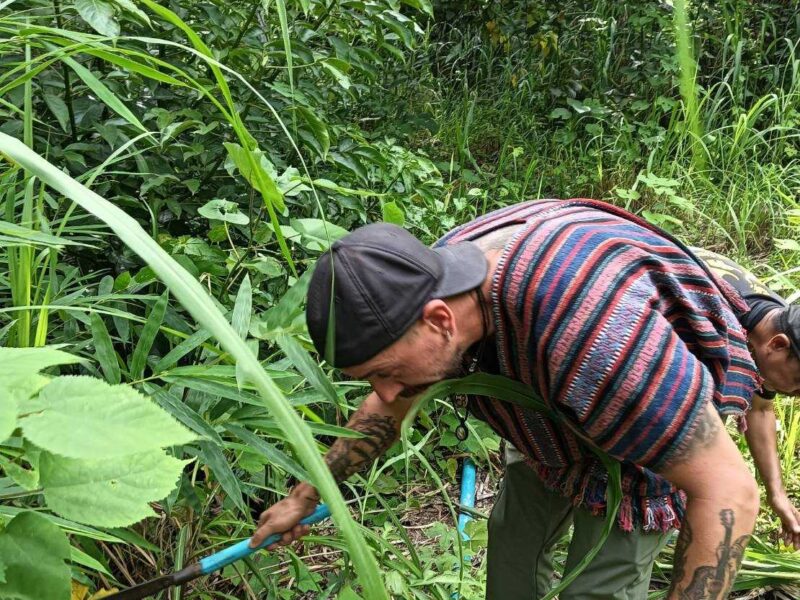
(231, 554)
(467, 498)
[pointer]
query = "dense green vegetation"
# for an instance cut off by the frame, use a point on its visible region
(226, 145)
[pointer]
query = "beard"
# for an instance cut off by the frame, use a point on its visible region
(451, 369)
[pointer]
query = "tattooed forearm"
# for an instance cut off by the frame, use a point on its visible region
(348, 456)
(708, 582)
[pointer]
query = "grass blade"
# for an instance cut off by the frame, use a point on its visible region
(212, 456)
(104, 349)
(148, 336)
(242, 308)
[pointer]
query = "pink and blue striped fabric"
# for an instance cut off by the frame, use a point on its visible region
(623, 333)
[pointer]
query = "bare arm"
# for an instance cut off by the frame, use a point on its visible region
(762, 440)
(380, 423)
(722, 504)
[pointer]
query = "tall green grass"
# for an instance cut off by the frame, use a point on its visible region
(197, 303)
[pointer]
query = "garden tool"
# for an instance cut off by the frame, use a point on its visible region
(209, 564)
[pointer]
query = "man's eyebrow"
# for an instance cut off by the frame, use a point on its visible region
(372, 372)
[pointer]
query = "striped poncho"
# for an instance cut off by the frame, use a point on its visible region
(623, 333)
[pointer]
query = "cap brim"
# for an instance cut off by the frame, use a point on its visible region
(464, 267)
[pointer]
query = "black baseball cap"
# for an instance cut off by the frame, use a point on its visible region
(382, 277)
(790, 325)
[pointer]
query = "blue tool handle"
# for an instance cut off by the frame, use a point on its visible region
(231, 554)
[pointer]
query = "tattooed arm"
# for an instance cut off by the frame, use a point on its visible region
(380, 423)
(722, 503)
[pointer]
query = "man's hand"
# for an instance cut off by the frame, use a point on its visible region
(789, 516)
(284, 517)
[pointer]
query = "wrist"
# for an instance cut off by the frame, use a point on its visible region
(774, 491)
(305, 493)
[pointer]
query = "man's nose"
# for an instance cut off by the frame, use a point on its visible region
(387, 390)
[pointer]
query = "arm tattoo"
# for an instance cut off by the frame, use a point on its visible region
(496, 240)
(706, 429)
(348, 456)
(711, 582)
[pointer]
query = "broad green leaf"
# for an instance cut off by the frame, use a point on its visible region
(104, 349)
(333, 65)
(33, 551)
(8, 412)
(83, 417)
(59, 109)
(399, 25)
(17, 364)
(787, 244)
(316, 234)
(100, 15)
(212, 455)
(422, 5)
(318, 128)
(393, 213)
(223, 210)
(255, 168)
(148, 336)
(108, 492)
(19, 379)
(130, 6)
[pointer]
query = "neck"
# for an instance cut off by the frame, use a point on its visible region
(467, 312)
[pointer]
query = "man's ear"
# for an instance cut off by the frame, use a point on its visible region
(779, 343)
(438, 316)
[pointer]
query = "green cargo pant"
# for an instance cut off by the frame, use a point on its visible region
(526, 522)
